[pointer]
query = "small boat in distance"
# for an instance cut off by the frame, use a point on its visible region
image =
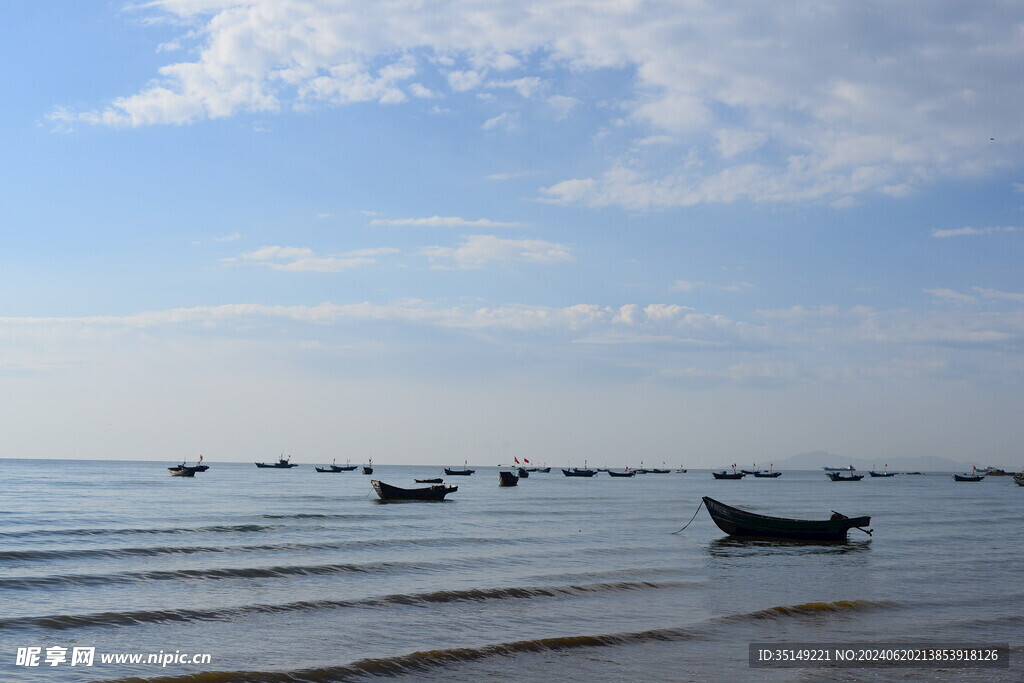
(578, 472)
(968, 477)
(728, 475)
(368, 467)
(736, 522)
(198, 467)
(884, 473)
(437, 480)
(465, 472)
(836, 476)
(767, 475)
(627, 473)
(389, 492)
(332, 468)
(848, 468)
(523, 473)
(282, 463)
(1019, 481)
(506, 478)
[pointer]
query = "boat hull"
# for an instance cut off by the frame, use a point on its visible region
(458, 473)
(882, 474)
(767, 475)
(507, 479)
(182, 471)
(621, 474)
(736, 522)
(727, 475)
(969, 477)
(835, 476)
(389, 492)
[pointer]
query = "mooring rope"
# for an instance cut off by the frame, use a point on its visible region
(691, 518)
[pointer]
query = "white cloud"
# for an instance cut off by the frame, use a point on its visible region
(506, 120)
(952, 295)
(445, 221)
(303, 259)
(967, 231)
(563, 105)
(911, 98)
(526, 87)
(997, 294)
(476, 251)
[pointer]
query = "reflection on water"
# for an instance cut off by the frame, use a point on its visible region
(731, 546)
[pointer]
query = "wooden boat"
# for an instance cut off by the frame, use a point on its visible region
(389, 492)
(767, 475)
(367, 469)
(180, 471)
(736, 522)
(881, 474)
(281, 464)
(848, 468)
(523, 473)
(198, 467)
(1019, 480)
(658, 471)
(727, 475)
(463, 472)
(543, 469)
(437, 480)
(627, 473)
(507, 478)
(681, 471)
(968, 477)
(836, 476)
(578, 472)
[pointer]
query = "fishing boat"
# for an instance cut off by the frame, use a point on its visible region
(347, 467)
(848, 468)
(627, 473)
(728, 475)
(198, 467)
(182, 471)
(836, 476)
(578, 472)
(968, 477)
(437, 480)
(506, 478)
(523, 473)
(881, 474)
(1019, 480)
(332, 468)
(658, 471)
(389, 492)
(462, 473)
(736, 522)
(767, 475)
(281, 464)
(543, 470)
(681, 471)
(368, 467)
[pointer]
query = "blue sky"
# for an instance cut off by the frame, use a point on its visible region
(663, 231)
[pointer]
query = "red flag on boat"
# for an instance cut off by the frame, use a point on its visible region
(526, 461)
(200, 458)
(516, 459)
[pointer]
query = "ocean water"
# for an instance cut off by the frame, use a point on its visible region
(291, 575)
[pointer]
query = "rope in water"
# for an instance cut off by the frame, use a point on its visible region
(692, 518)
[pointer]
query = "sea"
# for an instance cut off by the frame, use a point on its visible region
(246, 574)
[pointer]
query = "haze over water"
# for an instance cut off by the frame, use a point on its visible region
(294, 575)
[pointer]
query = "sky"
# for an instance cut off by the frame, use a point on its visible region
(612, 231)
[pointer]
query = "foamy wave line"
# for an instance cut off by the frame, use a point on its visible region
(808, 609)
(67, 621)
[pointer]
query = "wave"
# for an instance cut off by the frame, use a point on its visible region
(807, 609)
(152, 551)
(425, 661)
(218, 528)
(138, 617)
(62, 580)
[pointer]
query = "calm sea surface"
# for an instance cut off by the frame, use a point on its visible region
(291, 575)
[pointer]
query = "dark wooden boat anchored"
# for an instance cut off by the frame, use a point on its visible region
(728, 475)
(462, 473)
(438, 480)
(198, 467)
(627, 473)
(1019, 481)
(881, 474)
(767, 475)
(658, 471)
(577, 472)
(545, 470)
(389, 492)
(736, 522)
(836, 476)
(333, 468)
(182, 471)
(507, 478)
(281, 464)
(968, 477)
(523, 473)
